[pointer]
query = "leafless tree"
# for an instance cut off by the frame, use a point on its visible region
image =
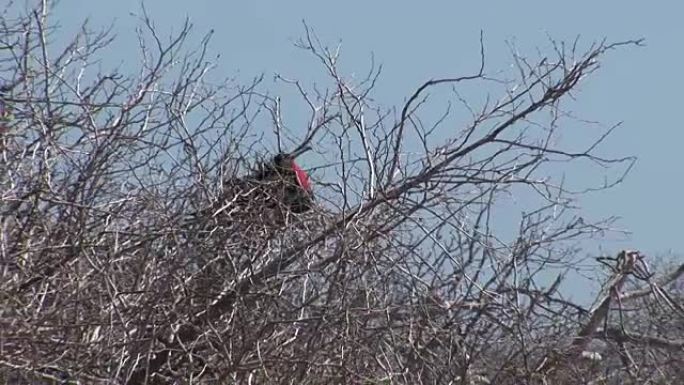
(135, 249)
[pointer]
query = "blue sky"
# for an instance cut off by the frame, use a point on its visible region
(418, 40)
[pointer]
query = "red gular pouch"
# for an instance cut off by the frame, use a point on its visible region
(302, 177)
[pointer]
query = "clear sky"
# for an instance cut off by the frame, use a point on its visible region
(417, 40)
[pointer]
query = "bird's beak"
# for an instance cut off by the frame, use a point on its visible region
(300, 151)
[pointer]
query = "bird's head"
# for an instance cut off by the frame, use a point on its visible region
(286, 159)
(285, 162)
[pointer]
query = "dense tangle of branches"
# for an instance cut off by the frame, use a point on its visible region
(130, 254)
